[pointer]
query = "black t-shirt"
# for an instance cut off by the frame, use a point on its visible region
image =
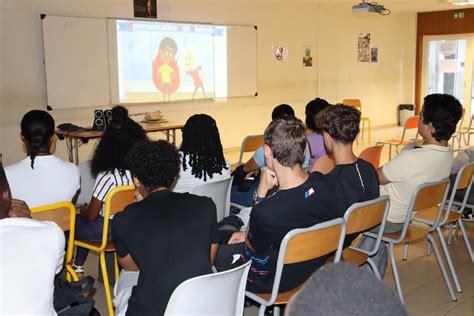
(169, 236)
(319, 199)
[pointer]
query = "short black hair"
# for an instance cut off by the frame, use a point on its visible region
(443, 111)
(37, 128)
(154, 163)
(345, 289)
(341, 122)
(282, 110)
(312, 109)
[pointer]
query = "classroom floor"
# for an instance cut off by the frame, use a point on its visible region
(423, 285)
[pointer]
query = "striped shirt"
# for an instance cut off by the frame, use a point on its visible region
(106, 181)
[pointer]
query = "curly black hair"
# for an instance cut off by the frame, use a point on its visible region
(341, 122)
(312, 109)
(119, 137)
(37, 128)
(202, 147)
(154, 163)
(282, 110)
(443, 111)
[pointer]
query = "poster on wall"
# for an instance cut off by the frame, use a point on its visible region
(363, 48)
(144, 9)
(307, 58)
(374, 55)
(280, 52)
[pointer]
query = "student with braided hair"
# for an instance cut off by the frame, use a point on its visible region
(202, 157)
(41, 178)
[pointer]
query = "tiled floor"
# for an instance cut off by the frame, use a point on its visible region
(423, 285)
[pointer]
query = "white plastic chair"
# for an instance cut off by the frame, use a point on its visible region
(221, 293)
(87, 183)
(219, 192)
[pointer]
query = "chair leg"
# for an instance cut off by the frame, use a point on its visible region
(450, 234)
(374, 268)
(447, 255)
(368, 124)
(395, 272)
(390, 152)
(405, 252)
(261, 310)
(442, 267)
(116, 268)
(105, 276)
(428, 249)
(363, 129)
(276, 310)
(466, 239)
(70, 273)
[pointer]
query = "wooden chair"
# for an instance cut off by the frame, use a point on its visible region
(411, 123)
(115, 202)
(221, 293)
(64, 215)
(359, 218)
(299, 245)
(250, 144)
(451, 216)
(325, 164)
(426, 196)
(357, 104)
(372, 154)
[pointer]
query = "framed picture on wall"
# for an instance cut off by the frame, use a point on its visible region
(144, 9)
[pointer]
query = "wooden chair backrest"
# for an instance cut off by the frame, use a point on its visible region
(60, 213)
(430, 196)
(352, 102)
(372, 154)
(325, 164)
(465, 177)
(366, 217)
(119, 198)
(252, 143)
(312, 245)
(412, 122)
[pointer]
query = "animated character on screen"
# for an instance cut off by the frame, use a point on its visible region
(165, 68)
(192, 69)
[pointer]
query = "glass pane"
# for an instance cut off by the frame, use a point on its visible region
(447, 59)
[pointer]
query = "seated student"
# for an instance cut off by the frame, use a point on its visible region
(41, 178)
(110, 169)
(202, 158)
(302, 199)
(168, 237)
(430, 162)
(315, 138)
(31, 254)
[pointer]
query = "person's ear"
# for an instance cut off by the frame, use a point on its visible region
(267, 151)
(137, 182)
(22, 138)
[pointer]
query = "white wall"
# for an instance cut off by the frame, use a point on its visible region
(22, 81)
(380, 86)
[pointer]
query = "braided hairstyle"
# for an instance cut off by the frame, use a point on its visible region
(202, 146)
(118, 139)
(37, 128)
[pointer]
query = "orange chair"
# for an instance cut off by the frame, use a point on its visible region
(249, 144)
(357, 104)
(411, 123)
(325, 164)
(372, 154)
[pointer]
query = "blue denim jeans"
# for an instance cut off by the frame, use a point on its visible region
(90, 231)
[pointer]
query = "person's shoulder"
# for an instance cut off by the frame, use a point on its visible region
(193, 198)
(31, 224)
(20, 165)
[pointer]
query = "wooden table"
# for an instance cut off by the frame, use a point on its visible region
(75, 138)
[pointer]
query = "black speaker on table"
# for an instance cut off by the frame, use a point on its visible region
(99, 120)
(108, 117)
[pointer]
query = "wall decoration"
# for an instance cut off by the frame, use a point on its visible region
(374, 55)
(363, 48)
(280, 52)
(307, 58)
(144, 9)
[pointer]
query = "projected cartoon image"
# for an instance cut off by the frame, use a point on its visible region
(192, 69)
(162, 62)
(165, 68)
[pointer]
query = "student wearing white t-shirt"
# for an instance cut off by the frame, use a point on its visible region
(202, 157)
(110, 169)
(41, 178)
(31, 254)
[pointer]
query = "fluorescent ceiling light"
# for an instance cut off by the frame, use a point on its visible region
(459, 2)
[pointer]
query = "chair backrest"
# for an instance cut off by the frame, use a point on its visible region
(352, 102)
(250, 144)
(219, 192)
(363, 216)
(325, 164)
(220, 293)
(372, 155)
(87, 182)
(303, 244)
(64, 215)
(411, 123)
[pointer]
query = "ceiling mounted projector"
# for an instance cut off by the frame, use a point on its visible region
(370, 7)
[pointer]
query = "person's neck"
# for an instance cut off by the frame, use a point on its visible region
(343, 154)
(157, 190)
(290, 177)
(41, 153)
(433, 141)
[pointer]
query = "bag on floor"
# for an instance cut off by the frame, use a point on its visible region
(70, 298)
